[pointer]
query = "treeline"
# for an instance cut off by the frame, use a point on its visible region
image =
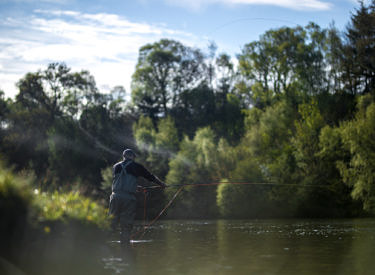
(296, 109)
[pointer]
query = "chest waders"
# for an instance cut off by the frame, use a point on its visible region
(123, 203)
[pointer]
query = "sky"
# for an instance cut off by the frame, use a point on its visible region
(104, 36)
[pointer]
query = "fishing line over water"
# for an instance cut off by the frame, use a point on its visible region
(180, 187)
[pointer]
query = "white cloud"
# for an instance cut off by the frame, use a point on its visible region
(366, 2)
(35, 1)
(105, 44)
(291, 4)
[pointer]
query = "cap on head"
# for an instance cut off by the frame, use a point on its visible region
(128, 154)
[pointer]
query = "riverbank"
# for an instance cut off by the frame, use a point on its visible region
(62, 231)
(34, 222)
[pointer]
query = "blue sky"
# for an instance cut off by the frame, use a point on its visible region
(104, 36)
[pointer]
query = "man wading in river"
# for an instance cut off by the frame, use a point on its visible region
(123, 203)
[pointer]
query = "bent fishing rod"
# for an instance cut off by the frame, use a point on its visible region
(234, 183)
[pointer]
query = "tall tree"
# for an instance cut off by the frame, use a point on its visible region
(58, 115)
(195, 163)
(358, 138)
(358, 59)
(284, 57)
(164, 70)
(58, 91)
(196, 109)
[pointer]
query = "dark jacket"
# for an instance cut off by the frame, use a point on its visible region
(137, 170)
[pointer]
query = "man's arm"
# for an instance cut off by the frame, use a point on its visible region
(139, 170)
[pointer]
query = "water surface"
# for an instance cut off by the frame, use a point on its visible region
(248, 247)
(217, 247)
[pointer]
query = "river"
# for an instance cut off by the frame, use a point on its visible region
(250, 247)
(287, 247)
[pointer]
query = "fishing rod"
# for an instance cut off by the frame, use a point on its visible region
(236, 183)
(145, 227)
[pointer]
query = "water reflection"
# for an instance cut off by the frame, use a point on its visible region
(257, 247)
(120, 259)
(219, 247)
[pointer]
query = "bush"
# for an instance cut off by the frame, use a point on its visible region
(70, 206)
(24, 210)
(244, 201)
(15, 208)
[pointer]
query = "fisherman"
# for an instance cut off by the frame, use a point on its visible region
(123, 203)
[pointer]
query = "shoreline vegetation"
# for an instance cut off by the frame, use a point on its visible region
(34, 223)
(37, 207)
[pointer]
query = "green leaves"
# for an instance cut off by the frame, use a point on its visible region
(158, 146)
(21, 205)
(358, 53)
(164, 70)
(70, 206)
(284, 56)
(285, 113)
(359, 139)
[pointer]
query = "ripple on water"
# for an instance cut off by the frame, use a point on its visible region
(115, 264)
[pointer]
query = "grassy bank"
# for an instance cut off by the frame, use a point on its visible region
(29, 217)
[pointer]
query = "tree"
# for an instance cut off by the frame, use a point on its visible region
(195, 163)
(24, 137)
(333, 57)
(306, 140)
(4, 121)
(270, 133)
(116, 102)
(172, 79)
(332, 153)
(317, 150)
(265, 154)
(358, 59)
(228, 116)
(164, 70)
(310, 170)
(358, 138)
(60, 121)
(285, 56)
(43, 98)
(4, 112)
(167, 144)
(58, 90)
(244, 201)
(157, 145)
(196, 109)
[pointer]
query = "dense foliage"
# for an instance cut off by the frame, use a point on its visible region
(29, 216)
(298, 111)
